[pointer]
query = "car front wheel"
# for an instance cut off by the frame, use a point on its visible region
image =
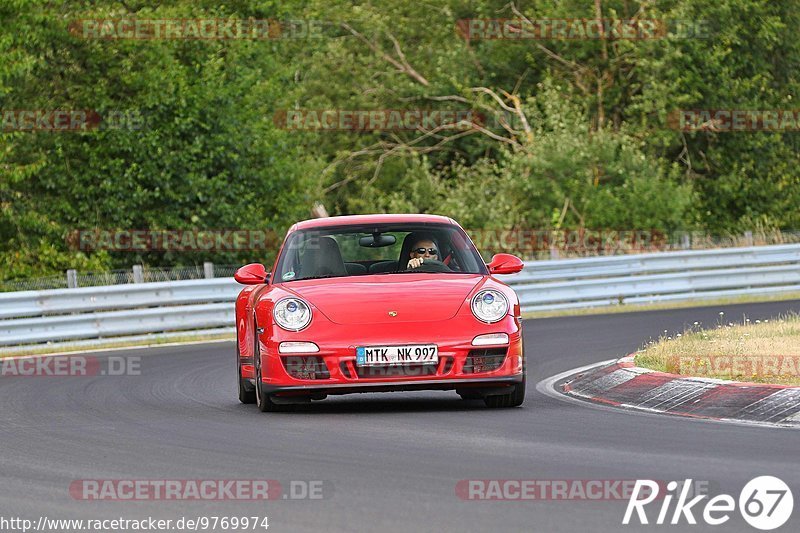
(247, 393)
(263, 401)
(512, 399)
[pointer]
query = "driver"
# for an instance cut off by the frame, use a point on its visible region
(423, 247)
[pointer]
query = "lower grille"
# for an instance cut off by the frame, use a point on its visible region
(484, 360)
(305, 367)
(399, 371)
(448, 365)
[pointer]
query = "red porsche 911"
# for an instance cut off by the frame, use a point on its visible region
(375, 303)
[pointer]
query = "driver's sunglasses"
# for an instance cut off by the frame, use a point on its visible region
(431, 251)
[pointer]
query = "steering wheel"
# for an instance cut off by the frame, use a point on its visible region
(430, 265)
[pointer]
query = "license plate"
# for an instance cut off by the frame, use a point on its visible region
(397, 355)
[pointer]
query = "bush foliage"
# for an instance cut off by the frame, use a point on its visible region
(587, 142)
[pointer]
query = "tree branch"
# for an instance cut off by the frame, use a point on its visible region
(402, 65)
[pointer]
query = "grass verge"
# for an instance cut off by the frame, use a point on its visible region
(758, 351)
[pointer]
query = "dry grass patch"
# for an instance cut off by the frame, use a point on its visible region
(758, 351)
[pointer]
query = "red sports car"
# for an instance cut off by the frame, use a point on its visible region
(375, 303)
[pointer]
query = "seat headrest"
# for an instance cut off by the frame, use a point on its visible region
(322, 257)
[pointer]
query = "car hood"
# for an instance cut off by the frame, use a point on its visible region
(371, 299)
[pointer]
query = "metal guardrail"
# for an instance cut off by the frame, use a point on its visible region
(146, 308)
(73, 279)
(659, 262)
(114, 323)
(656, 277)
(108, 311)
(129, 296)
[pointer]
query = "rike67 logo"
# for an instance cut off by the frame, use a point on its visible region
(765, 502)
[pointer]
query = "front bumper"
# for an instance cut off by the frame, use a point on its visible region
(460, 366)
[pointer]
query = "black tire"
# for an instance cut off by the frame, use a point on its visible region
(265, 405)
(512, 399)
(263, 401)
(247, 392)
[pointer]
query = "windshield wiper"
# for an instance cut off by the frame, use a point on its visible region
(415, 271)
(319, 277)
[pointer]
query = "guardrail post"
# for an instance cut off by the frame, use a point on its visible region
(686, 241)
(748, 238)
(72, 279)
(138, 274)
(208, 269)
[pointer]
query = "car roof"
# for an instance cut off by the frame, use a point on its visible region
(371, 219)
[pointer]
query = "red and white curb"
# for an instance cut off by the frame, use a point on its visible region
(622, 384)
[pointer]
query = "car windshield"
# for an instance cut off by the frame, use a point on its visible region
(377, 249)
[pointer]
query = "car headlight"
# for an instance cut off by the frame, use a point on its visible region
(489, 306)
(292, 314)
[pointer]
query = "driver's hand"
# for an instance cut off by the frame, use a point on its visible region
(414, 263)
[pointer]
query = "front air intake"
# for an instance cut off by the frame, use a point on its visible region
(484, 360)
(305, 367)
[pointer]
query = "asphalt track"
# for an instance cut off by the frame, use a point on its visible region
(390, 461)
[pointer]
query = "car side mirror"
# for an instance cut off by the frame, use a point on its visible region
(252, 274)
(505, 264)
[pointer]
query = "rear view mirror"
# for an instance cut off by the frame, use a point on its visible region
(252, 274)
(377, 240)
(505, 264)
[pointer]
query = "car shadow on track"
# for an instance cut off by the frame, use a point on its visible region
(383, 405)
